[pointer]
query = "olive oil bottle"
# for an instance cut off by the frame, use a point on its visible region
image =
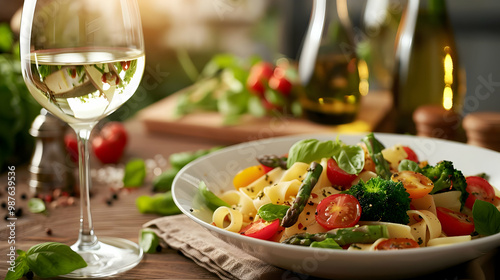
(328, 66)
(427, 66)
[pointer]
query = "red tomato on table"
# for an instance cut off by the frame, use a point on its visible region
(478, 188)
(338, 211)
(110, 143)
(454, 223)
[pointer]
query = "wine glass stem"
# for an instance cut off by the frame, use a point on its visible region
(87, 240)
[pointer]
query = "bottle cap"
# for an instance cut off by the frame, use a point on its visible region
(483, 129)
(435, 121)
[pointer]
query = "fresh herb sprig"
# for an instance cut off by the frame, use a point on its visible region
(45, 260)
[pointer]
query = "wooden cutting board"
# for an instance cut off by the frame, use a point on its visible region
(158, 118)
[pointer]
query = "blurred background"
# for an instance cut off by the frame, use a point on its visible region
(182, 35)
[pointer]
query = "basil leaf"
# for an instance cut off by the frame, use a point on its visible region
(161, 204)
(135, 173)
(20, 267)
(163, 182)
(211, 200)
(36, 205)
(51, 259)
(270, 212)
(486, 217)
(148, 241)
(350, 158)
(408, 165)
(309, 150)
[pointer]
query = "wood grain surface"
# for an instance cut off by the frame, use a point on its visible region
(121, 219)
(375, 108)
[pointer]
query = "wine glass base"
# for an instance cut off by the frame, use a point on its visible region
(114, 255)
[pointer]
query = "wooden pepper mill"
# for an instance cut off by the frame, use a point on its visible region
(435, 121)
(483, 129)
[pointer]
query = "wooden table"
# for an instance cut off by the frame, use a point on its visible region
(121, 219)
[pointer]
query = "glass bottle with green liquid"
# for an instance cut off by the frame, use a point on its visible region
(427, 67)
(328, 66)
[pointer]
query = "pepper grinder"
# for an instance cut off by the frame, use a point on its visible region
(483, 129)
(435, 121)
(51, 167)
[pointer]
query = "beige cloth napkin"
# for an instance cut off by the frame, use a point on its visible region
(228, 262)
(180, 233)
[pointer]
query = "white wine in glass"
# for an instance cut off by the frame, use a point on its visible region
(81, 60)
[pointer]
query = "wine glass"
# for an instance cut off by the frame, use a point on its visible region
(81, 60)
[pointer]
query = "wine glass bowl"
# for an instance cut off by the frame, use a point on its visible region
(81, 60)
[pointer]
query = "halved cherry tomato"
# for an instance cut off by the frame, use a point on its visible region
(261, 229)
(337, 176)
(454, 223)
(478, 188)
(416, 184)
(338, 211)
(411, 154)
(397, 244)
(246, 176)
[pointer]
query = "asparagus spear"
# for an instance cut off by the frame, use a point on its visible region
(273, 161)
(343, 236)
(305, 189)
(375, 150)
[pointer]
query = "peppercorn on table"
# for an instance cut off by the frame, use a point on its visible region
(115, 214)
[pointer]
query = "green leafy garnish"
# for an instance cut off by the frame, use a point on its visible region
(486, 217)
(135, 173)
(161, 204)
(46, 260)
(270, 212)
(350, 158)
(211, 200)
(36, 205)
(408, 165)
(148, 240)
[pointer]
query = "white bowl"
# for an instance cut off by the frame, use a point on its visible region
(217, 170)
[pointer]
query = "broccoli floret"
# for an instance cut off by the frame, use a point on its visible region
(446, 178)
(382, 200)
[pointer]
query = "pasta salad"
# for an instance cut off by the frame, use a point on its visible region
(356, 197)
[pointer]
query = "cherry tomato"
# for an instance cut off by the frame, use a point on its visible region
(246, 176)
(454, 223)
(266, 168)
(71, 146)
(478, 188)
(110, 143)
(338, 211)
(279, 82)
(411, 154)
(397, 244)
(261, 229)
(416, 184)
(259, 76)
(337, 176)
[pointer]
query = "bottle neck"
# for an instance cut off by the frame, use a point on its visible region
(433, 8)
